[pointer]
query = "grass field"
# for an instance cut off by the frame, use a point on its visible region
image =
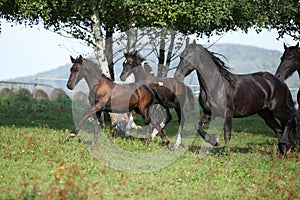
(38, 161)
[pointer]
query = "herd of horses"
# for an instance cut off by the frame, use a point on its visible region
(222, 94)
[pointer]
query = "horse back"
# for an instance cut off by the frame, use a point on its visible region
(254, 92)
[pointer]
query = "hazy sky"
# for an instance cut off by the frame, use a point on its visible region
(27, 51)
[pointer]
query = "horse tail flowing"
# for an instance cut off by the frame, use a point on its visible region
(191, 97)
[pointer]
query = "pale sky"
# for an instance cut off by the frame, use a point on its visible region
(27, 51)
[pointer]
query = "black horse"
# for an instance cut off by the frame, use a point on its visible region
(290, 62)
(228, 95)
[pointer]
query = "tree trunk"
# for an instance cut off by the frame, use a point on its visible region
(170, 53)
(100, 43)
(161, 55)
(100, 49)
(109, 53)
(131, 39)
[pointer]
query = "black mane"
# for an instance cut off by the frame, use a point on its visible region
(223, 69)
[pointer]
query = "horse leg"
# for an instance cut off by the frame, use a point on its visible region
(181, 121)
(93, 110)
(227, 126)
(269, 119)
(147, 120)
(298, 99)
(209, 138)
(96, 125)
(288, 118)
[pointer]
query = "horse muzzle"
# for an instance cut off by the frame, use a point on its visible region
(70, 86)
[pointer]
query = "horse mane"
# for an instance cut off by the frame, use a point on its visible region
(95, 66)
(223, 69)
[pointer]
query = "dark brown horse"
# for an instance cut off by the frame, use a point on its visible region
(228, 95)
(177, 92)
(105, 95)
(290, 62)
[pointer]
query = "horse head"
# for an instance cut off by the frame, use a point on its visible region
(132, 60)
(75, 72)
(290, 62)
(186, 66)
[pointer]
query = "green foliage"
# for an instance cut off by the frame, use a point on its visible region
(19, 110)
(201, 17)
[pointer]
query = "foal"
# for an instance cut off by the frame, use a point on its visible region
(108, 96)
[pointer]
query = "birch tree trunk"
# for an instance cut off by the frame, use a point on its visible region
(100, 43)
(131, 39)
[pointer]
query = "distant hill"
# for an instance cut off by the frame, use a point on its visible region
(248, 59)
(241, 58)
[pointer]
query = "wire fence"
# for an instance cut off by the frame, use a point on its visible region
(32, 88)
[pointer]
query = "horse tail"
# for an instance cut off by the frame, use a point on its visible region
(162, 99)
(191, 97)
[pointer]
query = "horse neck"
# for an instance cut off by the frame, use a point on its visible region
(91, 75)
(141, 75)
(209, 76)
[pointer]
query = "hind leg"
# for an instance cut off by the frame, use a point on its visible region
(283, 132)
(270, 120)
(298, 99)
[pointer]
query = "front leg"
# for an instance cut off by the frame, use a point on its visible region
(227, 126)
(96, 126)
(92, 111)
(209, 138)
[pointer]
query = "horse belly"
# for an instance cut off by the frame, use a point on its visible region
(249, 105)
(121, 103)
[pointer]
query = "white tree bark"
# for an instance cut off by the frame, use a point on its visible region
(100, 43)
(120, 120)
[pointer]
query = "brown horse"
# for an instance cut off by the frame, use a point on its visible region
(176, 92)
(108, 96)
(290, 62)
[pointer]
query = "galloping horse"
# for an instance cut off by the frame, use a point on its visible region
(290, 62)
(105, 95)
(135, 64)
(228, 95)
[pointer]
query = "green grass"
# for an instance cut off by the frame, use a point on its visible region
(38, 162)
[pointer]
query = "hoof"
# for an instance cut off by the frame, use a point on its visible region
(212, 139)
(72, 135)
(284, 149)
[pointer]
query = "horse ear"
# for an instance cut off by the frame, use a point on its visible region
(285, 47)
(72, 59)
(126, 55)
(136, 54)
(81, 59)
(297, 45)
